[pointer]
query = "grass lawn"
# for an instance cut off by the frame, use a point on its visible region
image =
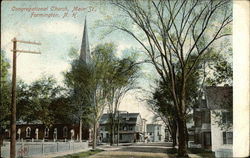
(84, 154)
(200, 152)
(129, 154)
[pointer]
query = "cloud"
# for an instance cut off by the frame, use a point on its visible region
(6, 37)
(58, 27)
(131, 104)
(121, 47)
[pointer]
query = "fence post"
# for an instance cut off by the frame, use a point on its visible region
(43, 147)
(22, 148)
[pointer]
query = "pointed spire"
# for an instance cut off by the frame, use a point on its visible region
(85, 51)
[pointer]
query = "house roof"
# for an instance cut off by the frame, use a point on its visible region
(130, 118)
(21, 122)
(219, 97)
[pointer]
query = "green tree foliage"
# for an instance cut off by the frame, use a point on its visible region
(5, 96)
(163, 106)
(41, 100)
(121, 80)
(89, 84)
(212, 68)
(5, 90)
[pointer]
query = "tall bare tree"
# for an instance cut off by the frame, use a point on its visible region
(172, 31)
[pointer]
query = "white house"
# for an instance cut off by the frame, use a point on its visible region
(219, 101)
(155, 133)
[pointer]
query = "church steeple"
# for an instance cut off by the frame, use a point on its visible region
(85, 51)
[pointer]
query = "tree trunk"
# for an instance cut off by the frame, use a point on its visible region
(187, 136)
(113, 134)
(174, 133)
(94, 135)
(1, 143)
(80, 130)
(182, 147)
(174, 139)
(111, 139)
(118, 127)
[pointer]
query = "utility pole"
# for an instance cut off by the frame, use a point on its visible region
(13, 92)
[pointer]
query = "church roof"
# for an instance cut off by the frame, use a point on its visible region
(85, 50)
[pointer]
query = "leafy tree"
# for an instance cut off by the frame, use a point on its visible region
(37, 101)
(165, 112)
(121, 80)
(62, 111)
(89, 84)
(172, 32)
(162, 103)
(5, 94)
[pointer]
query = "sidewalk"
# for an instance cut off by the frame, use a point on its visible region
(194, 156)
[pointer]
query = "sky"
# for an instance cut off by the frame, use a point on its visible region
(59, 27)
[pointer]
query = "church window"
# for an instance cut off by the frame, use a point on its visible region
(28, 132)
(65, 131)
(46, 132)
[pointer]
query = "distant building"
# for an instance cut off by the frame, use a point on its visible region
(168, 137)
(154, 132)
(36, 131)
(219, 101)
(130, 128)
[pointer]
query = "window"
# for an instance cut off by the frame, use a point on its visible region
(205, 116)
(197, 138)
(28, 132)
(65, 132)
(120, 136)
(124, 128)
(46, 132)
(227, 117)
(197, 116)
(227, 137)
(207, 138)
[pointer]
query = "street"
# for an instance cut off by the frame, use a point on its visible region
(149, 150)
